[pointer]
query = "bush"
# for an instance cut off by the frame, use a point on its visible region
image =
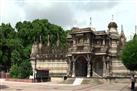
(25, 69)
(14, 71)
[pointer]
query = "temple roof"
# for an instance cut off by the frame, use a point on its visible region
(81, 30)
(103, 32)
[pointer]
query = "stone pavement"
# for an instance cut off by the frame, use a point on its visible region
(20, 86)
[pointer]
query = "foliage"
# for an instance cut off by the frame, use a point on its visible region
(15, 44)
(21, 71)
(14, 71)
(7, 45)
(25, 69)
(129, 54)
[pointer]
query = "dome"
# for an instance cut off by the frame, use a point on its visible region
(112, 25)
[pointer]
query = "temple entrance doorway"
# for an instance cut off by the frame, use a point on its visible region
(98, 66)
(81, 67)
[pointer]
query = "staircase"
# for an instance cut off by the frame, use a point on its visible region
(96, 75)
(77, 81)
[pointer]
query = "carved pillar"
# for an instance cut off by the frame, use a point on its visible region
(74, 44)
(110, 67)
(69, 67)
(74, 40)
(104, 66)
(88, 66)
(93, 68)
(73, 63)
(107, 66)
(103, 42)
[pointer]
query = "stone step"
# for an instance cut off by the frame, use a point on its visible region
(77, 81)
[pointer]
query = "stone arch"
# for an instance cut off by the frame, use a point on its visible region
(98, 66)
(81, 66)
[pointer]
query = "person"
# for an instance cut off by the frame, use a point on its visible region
(133, 81)
(65, 77)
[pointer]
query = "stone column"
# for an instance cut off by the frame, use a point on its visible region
(73, 68)
(111, 67)
(88, 66)
(92, 67)
(69, 67)
(103, 42)
(104, 66)
(107, 66)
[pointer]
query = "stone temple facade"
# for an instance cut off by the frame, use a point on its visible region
(90, 53)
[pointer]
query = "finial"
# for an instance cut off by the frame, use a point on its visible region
(112, 17)
(121, 27)
(90, 21)
(135, 29)
(57, 39)
(48, 41)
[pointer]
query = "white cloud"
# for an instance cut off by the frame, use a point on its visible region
(10, 13)
(69, 13)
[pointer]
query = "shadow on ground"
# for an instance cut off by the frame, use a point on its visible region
(3, 86)
(129, 89)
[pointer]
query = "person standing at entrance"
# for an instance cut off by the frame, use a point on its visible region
(133, 81)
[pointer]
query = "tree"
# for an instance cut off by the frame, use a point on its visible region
(15, 46)
(7, 44)
(129, 55)
(14, 71)
(129, 58)
(25, 69)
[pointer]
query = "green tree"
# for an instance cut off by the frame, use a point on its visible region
(14, 71)
(129, 54)
(7, 36)
(25, 69)
(15, 46)
(129, 58)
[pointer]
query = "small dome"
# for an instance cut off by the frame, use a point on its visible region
(112, 25)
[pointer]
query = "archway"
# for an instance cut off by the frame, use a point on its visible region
(98, 66)
(81, 67)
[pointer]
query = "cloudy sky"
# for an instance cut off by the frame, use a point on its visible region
(73, 13)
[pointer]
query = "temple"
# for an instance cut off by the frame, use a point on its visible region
(90, 53)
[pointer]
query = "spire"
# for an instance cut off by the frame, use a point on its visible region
(113, 25)
(90, 24)
(122, 37)
(48, 40)
(135, 29)
(122, 32)
(112, 18)
(90, 21)
(121, 27)
(135, 35)
(57, 39)
(40, 43)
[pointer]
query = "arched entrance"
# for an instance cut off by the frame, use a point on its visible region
(98, 66)
(81, 67)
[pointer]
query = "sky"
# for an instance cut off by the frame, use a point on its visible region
(73, 13)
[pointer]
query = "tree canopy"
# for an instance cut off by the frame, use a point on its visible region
(129, 54)
(16, 43)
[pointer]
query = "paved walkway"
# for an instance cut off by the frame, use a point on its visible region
(20, 86)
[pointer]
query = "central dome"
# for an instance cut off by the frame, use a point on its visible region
(112, 25)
